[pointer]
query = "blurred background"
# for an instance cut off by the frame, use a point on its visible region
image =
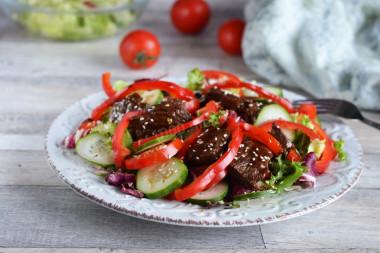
(73, 69)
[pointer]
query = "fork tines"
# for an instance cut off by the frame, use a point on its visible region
(322, 105)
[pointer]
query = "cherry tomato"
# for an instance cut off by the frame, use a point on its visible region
(190, 16)
(230, 35)
(308, 109)
(140, 49)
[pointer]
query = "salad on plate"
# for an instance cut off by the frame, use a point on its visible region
(216, 141)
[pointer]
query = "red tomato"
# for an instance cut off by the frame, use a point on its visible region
(190, 16)
(230, 35)
(308, 109)
(140, 49)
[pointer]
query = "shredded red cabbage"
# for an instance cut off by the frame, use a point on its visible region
(72, 139)
(232, 114)
(135, 193)
(127, 183)
(238, 189)
(194, 173)
(308, 178)
(118, 178)
(151, 79)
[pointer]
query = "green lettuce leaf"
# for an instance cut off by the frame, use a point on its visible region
(339, 148)
(195, 80)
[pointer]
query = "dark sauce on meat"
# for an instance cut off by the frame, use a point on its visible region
(168, 114)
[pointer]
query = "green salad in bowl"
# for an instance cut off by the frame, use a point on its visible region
(74, 20)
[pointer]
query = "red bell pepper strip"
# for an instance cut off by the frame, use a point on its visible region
(87, 124)
(155, 155)
(218, 168)
(267, 126)
(173, 89)
(188, 142)
(294, 156)
(262, 92)
(210, 107)
(260, 135)
(218, 75)
(107, 86)
(119, 151)
(327, 155)
(308, 109)
(192, 106)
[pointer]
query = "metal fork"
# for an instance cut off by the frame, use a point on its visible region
(338, 107)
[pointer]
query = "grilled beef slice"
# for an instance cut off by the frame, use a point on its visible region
(250, 164)
(210, 145)
(227, 99)
(286, 144)
(245, 107)
(168, 114)
(250, 110)
(129, 104)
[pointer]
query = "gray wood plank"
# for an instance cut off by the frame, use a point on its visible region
(350, 222)
(40, 78)
(61, 218)
(26, 168)
(34, 216)
(237, 250)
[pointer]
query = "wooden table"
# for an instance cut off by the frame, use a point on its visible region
(40, 78)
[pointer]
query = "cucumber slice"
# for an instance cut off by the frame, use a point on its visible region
(275, 90)
(154, 143)
(94, 149)
(161, 179)
(253, 195)
(212, 194)
(127, 140)
(273, 112)
(234, 91)
(153, 97)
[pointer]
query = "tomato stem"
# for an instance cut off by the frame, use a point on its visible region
(141, 58)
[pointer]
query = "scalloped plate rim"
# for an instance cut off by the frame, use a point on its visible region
(188, 222)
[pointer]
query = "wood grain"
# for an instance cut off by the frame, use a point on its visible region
(40, 78)
(57, 217)
(148, 250)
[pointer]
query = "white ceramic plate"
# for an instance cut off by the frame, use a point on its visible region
(78, 174)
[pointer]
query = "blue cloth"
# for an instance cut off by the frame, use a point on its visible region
(330, 48)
